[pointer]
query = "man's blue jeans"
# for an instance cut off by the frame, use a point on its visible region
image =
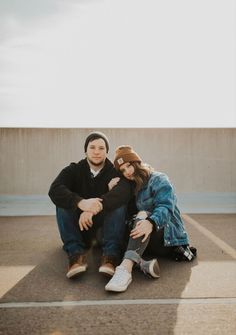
(76, 241)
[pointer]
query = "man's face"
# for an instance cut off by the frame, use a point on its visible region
(96, 152)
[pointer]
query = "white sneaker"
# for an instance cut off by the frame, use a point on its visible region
(120, 280)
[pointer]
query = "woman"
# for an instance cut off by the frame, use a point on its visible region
(157, 227)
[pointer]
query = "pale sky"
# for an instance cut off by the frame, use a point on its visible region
(117, 63)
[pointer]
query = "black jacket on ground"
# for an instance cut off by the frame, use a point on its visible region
(75, 183)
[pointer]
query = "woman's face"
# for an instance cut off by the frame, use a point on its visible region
(127, 170)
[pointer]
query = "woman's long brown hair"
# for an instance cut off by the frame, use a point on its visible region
(141, 175)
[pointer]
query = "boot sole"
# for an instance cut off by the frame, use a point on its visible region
(75, 272)
(106, 271)
(154, 269)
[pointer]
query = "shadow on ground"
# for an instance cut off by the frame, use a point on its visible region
(35, 241)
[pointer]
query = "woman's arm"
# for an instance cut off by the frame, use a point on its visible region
(164, 200)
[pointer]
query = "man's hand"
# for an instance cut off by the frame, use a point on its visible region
(113, 182)
(143, 227)
(93, 205)
(85, 220)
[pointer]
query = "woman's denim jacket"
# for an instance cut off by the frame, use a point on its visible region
(158, 197)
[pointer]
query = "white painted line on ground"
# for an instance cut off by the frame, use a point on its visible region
(215, 239)
(193, 301)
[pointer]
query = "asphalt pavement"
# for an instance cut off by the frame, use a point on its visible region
(198, 297)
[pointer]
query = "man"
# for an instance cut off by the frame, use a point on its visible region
(84, 204)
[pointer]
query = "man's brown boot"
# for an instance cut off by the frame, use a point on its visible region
(77, 264)
(108, 264)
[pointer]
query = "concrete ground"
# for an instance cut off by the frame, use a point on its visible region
(189, 298)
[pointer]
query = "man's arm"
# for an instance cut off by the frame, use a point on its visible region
(62, 196)
(60, 190)
(119, 195)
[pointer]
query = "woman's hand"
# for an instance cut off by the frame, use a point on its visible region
(113, 182)
(143, 227)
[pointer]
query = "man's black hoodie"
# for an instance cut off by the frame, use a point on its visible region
(75, 182)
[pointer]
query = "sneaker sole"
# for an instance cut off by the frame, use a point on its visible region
(106, 271)
(75, 272)
(154, 269)
(118, 289)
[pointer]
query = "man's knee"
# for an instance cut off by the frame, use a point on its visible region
(121, 210)
(119, 213)
(66, 214)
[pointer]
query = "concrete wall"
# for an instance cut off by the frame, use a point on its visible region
(196, 160)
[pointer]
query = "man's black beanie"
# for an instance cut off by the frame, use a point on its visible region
(94, 136)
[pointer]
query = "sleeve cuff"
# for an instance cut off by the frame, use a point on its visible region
(76, 202)
(152, 222)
